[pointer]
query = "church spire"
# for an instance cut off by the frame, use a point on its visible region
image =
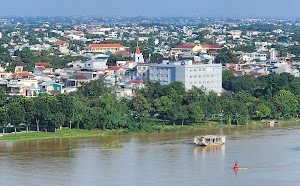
(138, 56)
(137, 49)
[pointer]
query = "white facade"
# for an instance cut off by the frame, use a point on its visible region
(258, 56)
(96, 64)
(204, 76)
(207, 77)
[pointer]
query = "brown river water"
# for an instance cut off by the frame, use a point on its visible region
(267, 156)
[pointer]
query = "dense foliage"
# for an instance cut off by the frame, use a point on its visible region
(94, 106)
(32, 57)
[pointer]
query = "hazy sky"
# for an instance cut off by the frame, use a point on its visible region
(209, 8)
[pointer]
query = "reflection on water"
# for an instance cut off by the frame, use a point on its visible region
(208, 150)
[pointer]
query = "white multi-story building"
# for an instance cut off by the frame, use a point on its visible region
(204, 76)
(258, 56)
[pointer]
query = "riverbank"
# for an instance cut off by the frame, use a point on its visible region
(66, 133)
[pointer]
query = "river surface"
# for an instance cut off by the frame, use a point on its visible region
(267, 156)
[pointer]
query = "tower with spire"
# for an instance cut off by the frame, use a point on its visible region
(138, 56)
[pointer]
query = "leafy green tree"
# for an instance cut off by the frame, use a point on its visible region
(195, 112)
(262, 111)
(140, 106)
(57, 119)
(214, 103)
(29, 107)
(4, 55)
(41, 112)
(92, 118)
(226, 55)
(66, 103)
(3, 118)
(16, 114)
(162, 106)
(243, 83)
(80, 108)
(111, 61)
(182, 113)
(245, 48)
(282, 51)
(227, 78)
(294, 49)
(286, 103)
(94, 89)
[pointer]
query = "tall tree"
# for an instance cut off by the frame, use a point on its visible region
(16, 114)
(226, 55)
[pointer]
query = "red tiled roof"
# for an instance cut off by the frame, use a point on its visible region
(187, 46)
(103, 76)
(22, 74)
(207, 46)
(114, 68)
(79, 32)
(59, 42)
(135, 81)
(116, 45)
(233, 69)
(79, 77)
(123, 53)
(43, 64)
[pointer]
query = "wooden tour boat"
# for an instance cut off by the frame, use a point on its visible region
(207, 140)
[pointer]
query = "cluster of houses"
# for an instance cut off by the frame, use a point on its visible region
(191, 62)
(189, 67)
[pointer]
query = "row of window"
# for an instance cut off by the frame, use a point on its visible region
(202, 69)
(203, 75)
(104, 49)
(160, 75)
(203, 82)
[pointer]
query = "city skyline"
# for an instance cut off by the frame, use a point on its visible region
(166, 8)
